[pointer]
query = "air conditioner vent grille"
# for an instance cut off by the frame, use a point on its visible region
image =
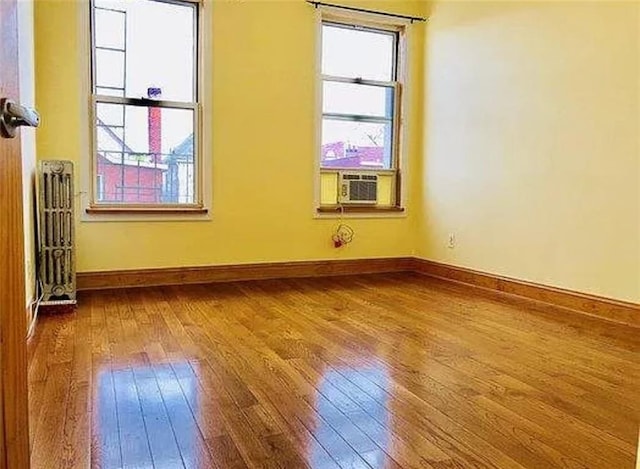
(364, 190)
(358, 188)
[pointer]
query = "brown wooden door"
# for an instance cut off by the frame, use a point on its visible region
(14, 446)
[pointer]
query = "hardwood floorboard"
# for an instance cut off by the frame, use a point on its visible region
(546, 381)
(375, 371)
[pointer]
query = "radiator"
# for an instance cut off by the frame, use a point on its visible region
(56, 234)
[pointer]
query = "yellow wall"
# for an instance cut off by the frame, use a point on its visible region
(263, 150)
(532, 142)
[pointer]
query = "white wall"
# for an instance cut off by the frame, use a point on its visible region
(532, 157)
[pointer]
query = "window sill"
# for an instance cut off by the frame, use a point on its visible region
(386, 171)
(337, 210)
(147, 210)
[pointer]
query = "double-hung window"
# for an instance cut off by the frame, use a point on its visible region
(360, 101)
(145, 104)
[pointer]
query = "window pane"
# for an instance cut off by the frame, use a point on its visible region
(110, 114)
(109, 28)
(363, 100)
(150, 159)
(159, 46)
(349, 144)
(357, 53)
(109, 68)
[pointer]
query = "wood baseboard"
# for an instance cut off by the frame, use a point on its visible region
(238, 272)
(605, 308)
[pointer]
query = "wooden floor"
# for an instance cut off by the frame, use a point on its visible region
(380, 371)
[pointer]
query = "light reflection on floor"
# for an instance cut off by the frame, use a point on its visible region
(353, 420)
(144, 416)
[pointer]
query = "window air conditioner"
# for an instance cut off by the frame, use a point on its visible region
(358, 188)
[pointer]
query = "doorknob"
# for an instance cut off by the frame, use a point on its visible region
(13, 115)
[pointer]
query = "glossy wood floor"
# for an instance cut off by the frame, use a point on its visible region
(381, 371)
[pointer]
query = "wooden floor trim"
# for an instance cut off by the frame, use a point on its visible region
(605, 308)
(239, 272)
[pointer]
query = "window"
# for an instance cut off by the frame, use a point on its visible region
(145, 96)
(360, 97)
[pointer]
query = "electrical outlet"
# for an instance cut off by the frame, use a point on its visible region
(452, 241)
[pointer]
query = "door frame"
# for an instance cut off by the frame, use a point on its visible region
(14, 443)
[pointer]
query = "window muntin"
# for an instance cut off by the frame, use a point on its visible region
(145, 103)
(360, 97)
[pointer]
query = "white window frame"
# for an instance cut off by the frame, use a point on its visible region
(201, 189)
(399, 157)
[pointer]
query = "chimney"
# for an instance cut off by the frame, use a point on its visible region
(155, 126)
(351, 151)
